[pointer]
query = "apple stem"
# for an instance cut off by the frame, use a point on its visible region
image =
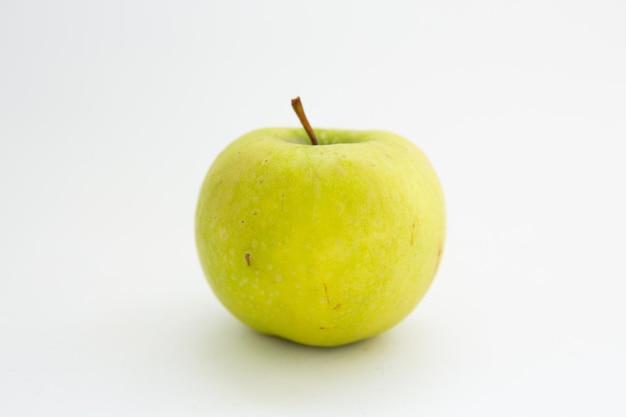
(297, 107)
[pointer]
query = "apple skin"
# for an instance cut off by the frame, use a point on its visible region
(322, 245)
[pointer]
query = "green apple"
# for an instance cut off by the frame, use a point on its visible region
(322, 244)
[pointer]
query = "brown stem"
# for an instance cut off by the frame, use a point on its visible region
(297, 107)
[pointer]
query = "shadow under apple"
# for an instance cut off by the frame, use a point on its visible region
(267, 372)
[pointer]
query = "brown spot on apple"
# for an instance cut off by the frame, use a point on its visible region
(247, 256)
(413, 231)
(326, 292)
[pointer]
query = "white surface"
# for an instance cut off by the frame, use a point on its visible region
(111, 113)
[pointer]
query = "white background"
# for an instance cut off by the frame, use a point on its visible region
(111, 112)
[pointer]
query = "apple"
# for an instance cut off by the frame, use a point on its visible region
(323, 237)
